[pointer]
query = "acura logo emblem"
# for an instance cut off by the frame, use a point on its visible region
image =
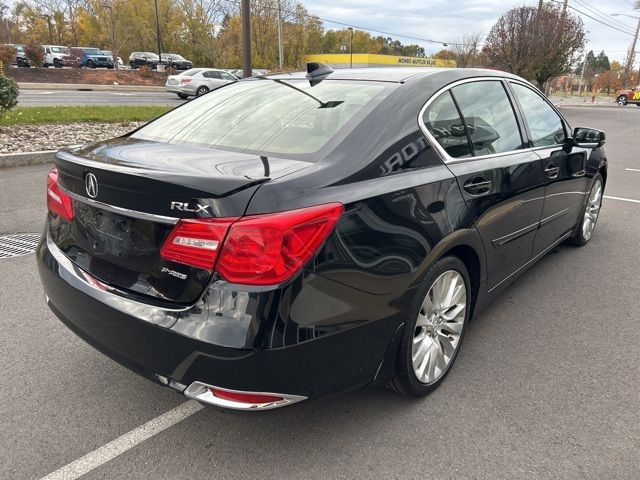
(91, 185)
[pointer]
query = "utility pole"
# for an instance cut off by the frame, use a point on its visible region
(351, 47)
(280, 54)
(632, 52)
(246, 39)
(584, 63)
(158, 33)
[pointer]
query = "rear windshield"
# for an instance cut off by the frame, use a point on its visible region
(269, 118)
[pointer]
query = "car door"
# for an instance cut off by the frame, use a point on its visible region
(500, 177)
(212, 79)
(563, 163)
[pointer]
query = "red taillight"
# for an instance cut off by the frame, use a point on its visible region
(58, 202)
(270, 249)
(250, 398)
(258, 250)
(184, 81)
(196, 242)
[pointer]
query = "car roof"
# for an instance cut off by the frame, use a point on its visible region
(396, 74)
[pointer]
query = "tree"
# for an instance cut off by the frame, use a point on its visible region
(445, 55)
(466, 49)
(536, 43)
(608, 81)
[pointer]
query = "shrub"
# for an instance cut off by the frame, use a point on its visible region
(7, 56)
(35, 53)
(171, 71)
(8, 94)
(145, 71)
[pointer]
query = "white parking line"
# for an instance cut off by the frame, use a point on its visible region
(633, 169)
(621, 199)
(127, 441)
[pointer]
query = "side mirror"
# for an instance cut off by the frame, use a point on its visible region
(588, 137)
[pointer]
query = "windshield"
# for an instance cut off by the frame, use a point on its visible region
(267, 117)
(19, 49)
(64, 50)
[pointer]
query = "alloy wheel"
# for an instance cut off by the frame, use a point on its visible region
(592, 210)
(439, 327)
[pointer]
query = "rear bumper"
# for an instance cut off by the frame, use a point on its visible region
(143, 338)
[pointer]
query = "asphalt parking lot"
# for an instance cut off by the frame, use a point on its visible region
(546, 386)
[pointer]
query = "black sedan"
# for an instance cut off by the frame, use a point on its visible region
(141, 59)
(287, 237)
(173, 60)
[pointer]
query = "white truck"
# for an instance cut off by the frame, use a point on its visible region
(56, 56)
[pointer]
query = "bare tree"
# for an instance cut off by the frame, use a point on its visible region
(537, 44)
(466, 49)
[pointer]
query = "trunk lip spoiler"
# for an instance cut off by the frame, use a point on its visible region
(121, 210)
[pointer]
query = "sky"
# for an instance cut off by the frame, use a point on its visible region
(446, 21)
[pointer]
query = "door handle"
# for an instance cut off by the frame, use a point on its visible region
(551, 170)
(478, 186)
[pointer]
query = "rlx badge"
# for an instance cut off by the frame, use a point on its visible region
(184, 207)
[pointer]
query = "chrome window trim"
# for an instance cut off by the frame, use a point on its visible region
(434, 143)
(121, 210)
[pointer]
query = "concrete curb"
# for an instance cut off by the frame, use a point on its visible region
(91, 87)
(8, 160)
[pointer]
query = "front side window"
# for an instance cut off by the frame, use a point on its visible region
(443, 122)
(489, 116)
(268, 117)
(545, 125)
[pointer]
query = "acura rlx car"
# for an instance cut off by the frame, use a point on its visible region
(197, 81)
(286, 237)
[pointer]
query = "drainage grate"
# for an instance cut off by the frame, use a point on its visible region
(19, 244)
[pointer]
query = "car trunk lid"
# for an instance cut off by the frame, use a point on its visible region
(129, 194)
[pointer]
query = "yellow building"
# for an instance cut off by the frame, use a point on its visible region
(342, 60)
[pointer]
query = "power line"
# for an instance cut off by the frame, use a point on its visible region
(595, 19)
(604, 15)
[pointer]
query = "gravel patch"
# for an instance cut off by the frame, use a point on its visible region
(34, 138)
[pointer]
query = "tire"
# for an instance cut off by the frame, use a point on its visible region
(622, 100)
(590, 214)
(56, 63)
(201, 90)
(90, 64)
(183, 96)
(439, 327)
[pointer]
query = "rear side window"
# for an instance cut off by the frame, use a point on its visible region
(211, 74)
(489, 115)
(545, 125)
(269, 117)
(443, 122)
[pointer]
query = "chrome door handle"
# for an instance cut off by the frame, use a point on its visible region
(552, 170)
(478, 186)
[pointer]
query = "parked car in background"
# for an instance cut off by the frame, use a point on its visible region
(57, 56)
(139, 59)
(198, 81)
(254, 73)
(20, 58)
(173, 60)
(91, 57)
(629, 96)
(116, 61)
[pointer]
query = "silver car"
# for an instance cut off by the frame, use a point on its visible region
(198, 81)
